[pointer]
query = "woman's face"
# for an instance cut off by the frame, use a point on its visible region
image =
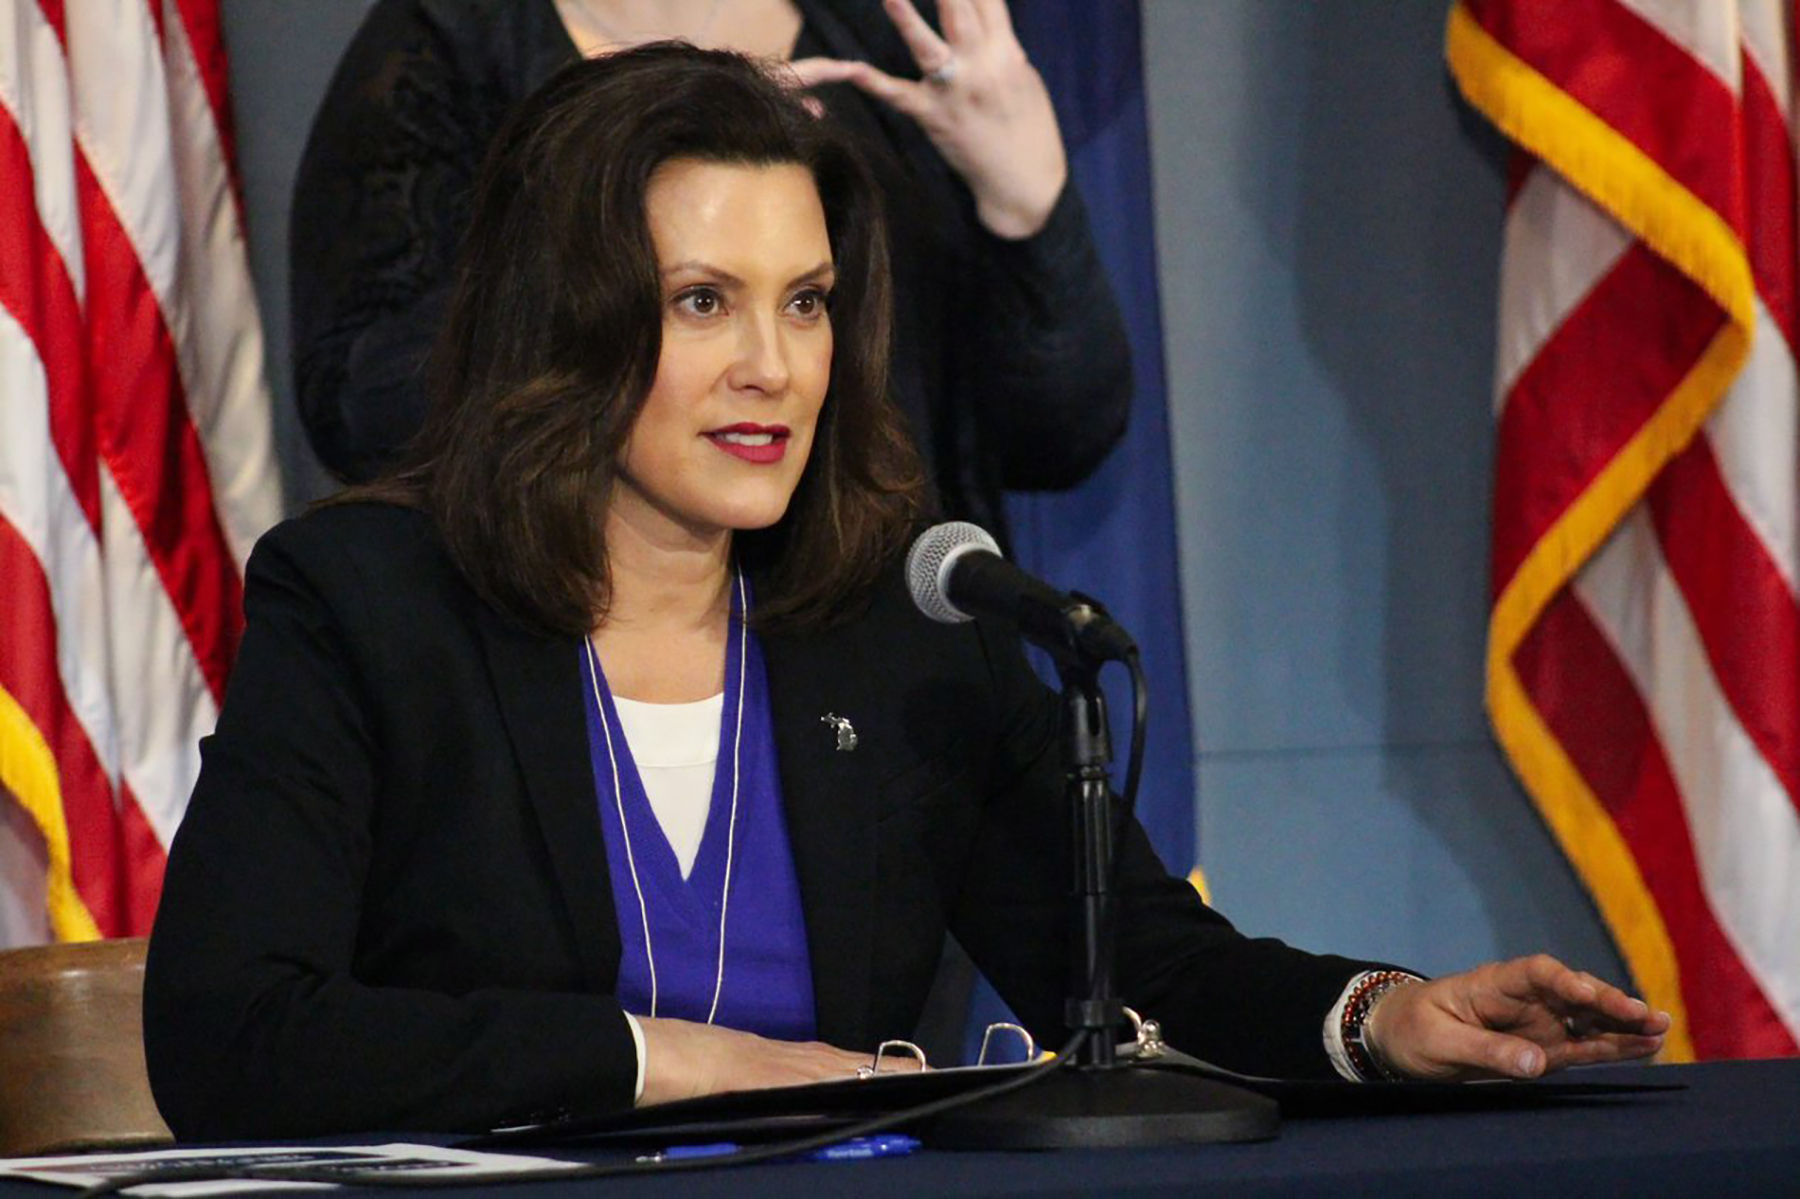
(746, 350)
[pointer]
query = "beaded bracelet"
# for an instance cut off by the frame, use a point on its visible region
(1352, 1026)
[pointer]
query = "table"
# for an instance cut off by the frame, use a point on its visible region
(1734, 1130)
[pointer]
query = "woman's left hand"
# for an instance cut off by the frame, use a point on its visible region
(1515, 1019)
(982, 103)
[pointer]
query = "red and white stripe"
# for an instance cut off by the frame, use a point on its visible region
(1667, 667)
(136, 451)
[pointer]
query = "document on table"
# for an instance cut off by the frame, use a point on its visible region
(421, 1161)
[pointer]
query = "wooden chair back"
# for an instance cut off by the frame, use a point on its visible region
(72, 1050)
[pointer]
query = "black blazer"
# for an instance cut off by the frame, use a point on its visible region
(388, 906)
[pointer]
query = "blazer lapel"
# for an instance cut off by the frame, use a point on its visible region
(538, 682)
(813, 675)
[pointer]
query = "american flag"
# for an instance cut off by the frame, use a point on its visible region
(1644, 644)
(136, 454)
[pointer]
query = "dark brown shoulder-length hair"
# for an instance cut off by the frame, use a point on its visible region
(554, 329)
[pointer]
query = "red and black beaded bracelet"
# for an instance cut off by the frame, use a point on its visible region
(1353, 1025)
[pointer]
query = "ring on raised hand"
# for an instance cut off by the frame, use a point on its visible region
(1576, 1029)
(944, 75)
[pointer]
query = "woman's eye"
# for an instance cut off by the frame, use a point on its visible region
(809, 303)
(702, 301)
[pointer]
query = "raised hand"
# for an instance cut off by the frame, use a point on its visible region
(981, 102)
(1514, 1019)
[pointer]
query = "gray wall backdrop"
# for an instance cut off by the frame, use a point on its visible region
(1328, 231)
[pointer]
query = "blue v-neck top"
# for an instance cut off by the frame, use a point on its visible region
(766, 983)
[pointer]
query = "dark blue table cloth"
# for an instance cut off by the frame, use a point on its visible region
(1733, 1130)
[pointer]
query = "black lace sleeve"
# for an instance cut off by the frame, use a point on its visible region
(1035, 363)
(1050, 360)
(380, 205)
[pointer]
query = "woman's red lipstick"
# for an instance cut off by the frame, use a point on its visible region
(761, 444)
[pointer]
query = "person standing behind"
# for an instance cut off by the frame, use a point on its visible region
(1011, 364)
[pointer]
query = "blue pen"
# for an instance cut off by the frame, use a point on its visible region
(856, 1149)
(890, 1144)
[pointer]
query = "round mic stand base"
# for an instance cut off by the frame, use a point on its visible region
(1124, 1106)
(1096, 1100)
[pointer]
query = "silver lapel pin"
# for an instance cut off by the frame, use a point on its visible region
(846, 732)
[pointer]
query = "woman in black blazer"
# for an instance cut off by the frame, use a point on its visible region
(422, 882)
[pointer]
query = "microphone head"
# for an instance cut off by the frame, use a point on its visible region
(929, 562)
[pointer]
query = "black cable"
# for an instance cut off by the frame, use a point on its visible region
(1134, 768)
(743, 1157)
(1140, 716)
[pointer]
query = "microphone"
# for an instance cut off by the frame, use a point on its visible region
(955, 572)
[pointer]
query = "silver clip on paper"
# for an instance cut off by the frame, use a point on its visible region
(1031, 1049)
(901, 1048)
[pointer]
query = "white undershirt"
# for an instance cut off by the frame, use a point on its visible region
(676, 748)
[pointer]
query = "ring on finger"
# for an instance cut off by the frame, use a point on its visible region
(1576, 1030)
(944, 75)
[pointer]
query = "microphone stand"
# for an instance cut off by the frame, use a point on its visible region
(1100, 1101)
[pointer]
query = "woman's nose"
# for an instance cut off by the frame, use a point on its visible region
(762, 363)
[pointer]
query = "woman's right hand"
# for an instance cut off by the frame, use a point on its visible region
(683, 1060)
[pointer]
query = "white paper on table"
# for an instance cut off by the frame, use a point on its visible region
(421, 1161)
